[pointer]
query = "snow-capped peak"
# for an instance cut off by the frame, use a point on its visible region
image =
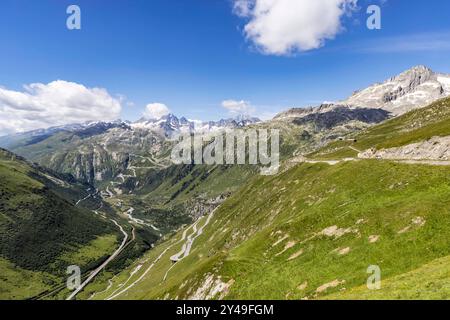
(414, 88)
(170, 124)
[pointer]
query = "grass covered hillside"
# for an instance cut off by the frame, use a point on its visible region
(42, 231)
(307, 233)
(312, 231)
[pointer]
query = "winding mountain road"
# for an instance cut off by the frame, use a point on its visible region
(186, 249)
(104, 264)
(184, 252)
(117, 293)
(113, 296)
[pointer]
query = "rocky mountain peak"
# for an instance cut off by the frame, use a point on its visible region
(414, 77)
(414, 88)
(411, 89)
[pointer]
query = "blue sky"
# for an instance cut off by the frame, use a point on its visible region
(193, 54)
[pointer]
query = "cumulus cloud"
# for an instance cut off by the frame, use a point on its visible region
(56, 103)
(236, 107)
(283, 27)
(156, 111)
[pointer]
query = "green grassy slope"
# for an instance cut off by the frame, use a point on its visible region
(276, 234)
(312, 231)
(42, 232)
(430, 281)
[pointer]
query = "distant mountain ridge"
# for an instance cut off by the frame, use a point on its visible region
(171, 124)
(167, 126)
(98, 152)
(82, 129)
(414, 88)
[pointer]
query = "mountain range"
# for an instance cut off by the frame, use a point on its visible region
(363, 181)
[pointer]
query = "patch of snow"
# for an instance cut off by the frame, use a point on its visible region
(445, 81)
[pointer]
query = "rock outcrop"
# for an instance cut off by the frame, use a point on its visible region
(436, 149)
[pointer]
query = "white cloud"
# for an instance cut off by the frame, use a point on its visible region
(156, 111)
(283, 27)
(56, 103)
(236, 107)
